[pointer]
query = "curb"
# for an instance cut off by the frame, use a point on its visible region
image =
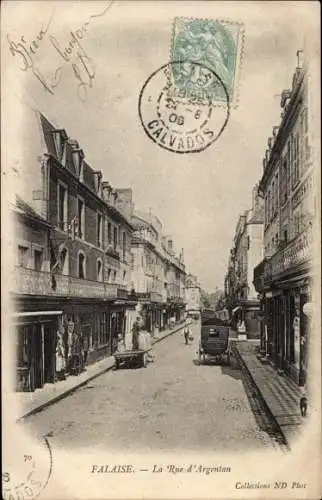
(69, 391)
(259, 394)
(155, 341)
(64, 394)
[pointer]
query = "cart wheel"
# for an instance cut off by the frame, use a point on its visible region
(228, 358)
(204, 358)
(144, 360)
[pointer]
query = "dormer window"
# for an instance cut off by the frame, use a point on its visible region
(78, 156)
(285, 97)
(60, 138)
(267, 154)
(97, 179)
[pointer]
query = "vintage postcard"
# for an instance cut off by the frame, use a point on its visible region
(161, 201)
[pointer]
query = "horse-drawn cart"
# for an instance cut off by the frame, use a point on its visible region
(214, 341)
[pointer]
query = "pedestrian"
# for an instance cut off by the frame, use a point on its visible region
(135, 333)
(60, 357)
(186, 333)
(156, 330)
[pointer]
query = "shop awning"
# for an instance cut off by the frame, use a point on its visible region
(236, 309)
(36, 313)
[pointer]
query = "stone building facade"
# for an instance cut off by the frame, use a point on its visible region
(247, 251)
(157, 273)
(86, 273)
(289, 188)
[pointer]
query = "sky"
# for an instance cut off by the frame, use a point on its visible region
(198, 197)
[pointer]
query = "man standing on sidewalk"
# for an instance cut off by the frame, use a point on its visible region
(135, 333)
(186, 333)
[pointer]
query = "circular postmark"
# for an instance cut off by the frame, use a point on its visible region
(25, 471)
(178, 110)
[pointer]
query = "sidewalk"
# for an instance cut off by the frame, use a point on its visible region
(33, 402)
(280, 393)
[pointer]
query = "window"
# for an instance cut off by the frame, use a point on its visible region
(99, 270)
(115, 238)
(109, 232)
(284, 182)
(248, 242)
(124, 275)
(273, 199)
(81, 218)
(62, 207)
(295, 158)
(285, 235)
(99, 230)
(124, 244)
(109, 274)
(114, 275)
(269, 206)
(23, 256)
(81, 265)
(276, 193)
(38, 260)
(64, 261)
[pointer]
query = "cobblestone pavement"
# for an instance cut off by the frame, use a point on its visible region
(174, 404)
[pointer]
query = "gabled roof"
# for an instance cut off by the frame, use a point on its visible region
(23, 208)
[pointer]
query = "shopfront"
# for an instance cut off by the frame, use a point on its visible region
(36, 337)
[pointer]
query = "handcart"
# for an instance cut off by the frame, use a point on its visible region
(135, 357)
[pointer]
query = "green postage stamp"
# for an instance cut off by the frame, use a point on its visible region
(217, 47)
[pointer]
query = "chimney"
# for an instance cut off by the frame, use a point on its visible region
(170, 245)
(255, 196)
(275, 131)
(124, 202)
(106, 192)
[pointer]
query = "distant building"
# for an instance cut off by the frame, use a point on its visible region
(247, 251)
(192, 295)
(157, 273)
(289, 187)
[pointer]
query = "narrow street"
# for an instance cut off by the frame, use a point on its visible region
(173, 404)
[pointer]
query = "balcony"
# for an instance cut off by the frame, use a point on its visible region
(297, 252)
(110, 250)
(31, 282)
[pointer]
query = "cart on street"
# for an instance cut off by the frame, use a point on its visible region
(214, 341)
(135, 357)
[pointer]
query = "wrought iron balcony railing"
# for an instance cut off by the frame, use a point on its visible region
(31, 282)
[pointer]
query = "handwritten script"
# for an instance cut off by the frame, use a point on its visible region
(71, 53)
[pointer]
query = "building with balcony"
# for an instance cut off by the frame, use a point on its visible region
(83, 269)
(157, 274)
(247, 251)
(284, 277)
